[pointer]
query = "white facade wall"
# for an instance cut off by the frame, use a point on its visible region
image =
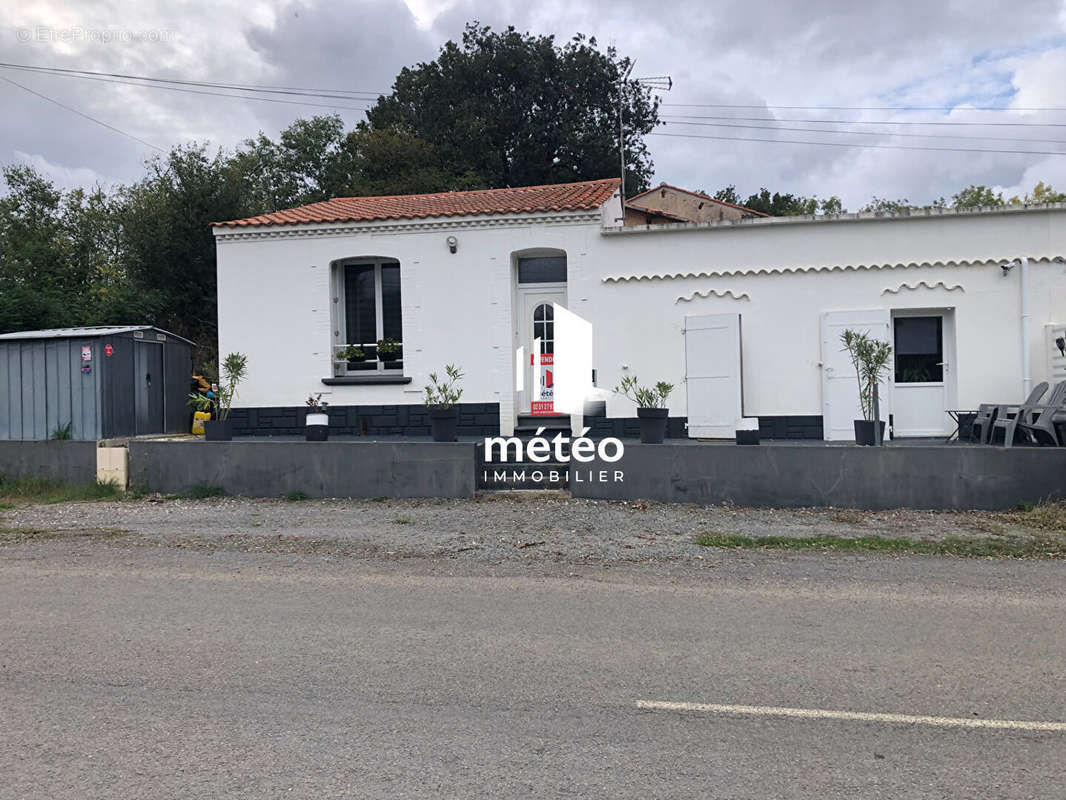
(788, 273)
(275, 301)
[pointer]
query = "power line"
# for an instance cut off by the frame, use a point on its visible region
(880, 122)
(860, 145)
(332, 94)
(82, 114)
(219, 94)
(866, 133)
(866, 108)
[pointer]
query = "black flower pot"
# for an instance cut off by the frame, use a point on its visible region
(653, 424)
(218, 430)
(389, 358)
(443, 423)
(864, 432)
(354, 361)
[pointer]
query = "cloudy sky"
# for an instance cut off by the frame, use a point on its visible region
(941, 60)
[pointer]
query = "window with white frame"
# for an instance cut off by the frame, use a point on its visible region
(369, 316)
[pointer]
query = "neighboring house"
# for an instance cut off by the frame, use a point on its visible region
(666, 204)
(744, 316)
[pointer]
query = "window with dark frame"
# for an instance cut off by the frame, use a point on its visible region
(919, 349)
(372, 311)
(542, 269)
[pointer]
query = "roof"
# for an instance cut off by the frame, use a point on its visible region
(584, 196)
(755, 223)
(700, 195)
(87, 332)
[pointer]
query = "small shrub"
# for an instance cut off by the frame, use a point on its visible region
(402, 520)
(644, 396)
(202, 491)
(296, 497)
(62, 433)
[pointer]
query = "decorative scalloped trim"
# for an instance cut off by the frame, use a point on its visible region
(925, 284)
(713, 293)
(725, 273)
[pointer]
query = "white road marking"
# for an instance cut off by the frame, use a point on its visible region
(861, 716)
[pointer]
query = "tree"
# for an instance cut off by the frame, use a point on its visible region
(512, 109)
(975, 196)
(168, 243)
(309, 163)
(1042, 193)
(781, 205)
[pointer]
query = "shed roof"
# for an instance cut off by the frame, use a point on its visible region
(583, 196)
(86, 332)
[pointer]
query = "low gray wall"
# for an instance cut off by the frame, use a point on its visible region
(66, 461)
(319, 469)
(785, 476)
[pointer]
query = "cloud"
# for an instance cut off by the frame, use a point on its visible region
(821, 53)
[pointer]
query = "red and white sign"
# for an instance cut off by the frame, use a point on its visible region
(108, 350)
(544, 380)
(86, 352)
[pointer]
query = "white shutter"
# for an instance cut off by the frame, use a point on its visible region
(840, 388)
(713, 375)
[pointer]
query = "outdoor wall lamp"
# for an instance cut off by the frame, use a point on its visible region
(1008, 267)
(453, 244)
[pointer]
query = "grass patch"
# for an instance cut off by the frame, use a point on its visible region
(970, 547)
(44, 490)
(296, 497)
(1045, 517)
(402, 520)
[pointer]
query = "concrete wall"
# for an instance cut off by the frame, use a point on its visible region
(65, 461)
(786, 476)
(320, 469)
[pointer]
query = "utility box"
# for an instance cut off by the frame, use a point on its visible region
(97, 382)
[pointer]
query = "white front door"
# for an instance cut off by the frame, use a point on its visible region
(538, 323)
(713, 375)
(922, 373)
(840, 388)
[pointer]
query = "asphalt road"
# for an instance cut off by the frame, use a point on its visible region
(155, 672)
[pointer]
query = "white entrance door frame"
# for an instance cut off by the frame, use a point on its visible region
(529, 297)
(840, 390)
(920, 408)
(713, 375)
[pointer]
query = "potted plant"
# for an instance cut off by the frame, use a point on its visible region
(317, 428)
(221, 396)
(651, 406)
(871, 358)
(389, 350)
(352, 353)
(441, 397)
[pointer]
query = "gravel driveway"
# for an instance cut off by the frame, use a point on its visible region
(491, 528)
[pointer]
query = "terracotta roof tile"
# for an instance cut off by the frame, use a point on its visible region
(584, 196)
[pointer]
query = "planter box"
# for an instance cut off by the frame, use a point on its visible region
(653, 424)
(218, 430)
(444, 423)
(864, 432)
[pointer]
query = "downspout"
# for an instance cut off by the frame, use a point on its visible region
(1027, 379)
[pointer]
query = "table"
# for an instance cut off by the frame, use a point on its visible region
(961, 417)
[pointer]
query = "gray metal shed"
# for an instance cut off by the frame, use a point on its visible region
(103, 381)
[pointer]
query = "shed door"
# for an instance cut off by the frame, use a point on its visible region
(713, 375)
(148, 386)
(840, 389)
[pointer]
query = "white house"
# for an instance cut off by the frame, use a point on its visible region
(743, 315)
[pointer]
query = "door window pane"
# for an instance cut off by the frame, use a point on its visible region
(919, 349)
(544, 327)
(390, 302)
(360, 308)
(546, 269)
